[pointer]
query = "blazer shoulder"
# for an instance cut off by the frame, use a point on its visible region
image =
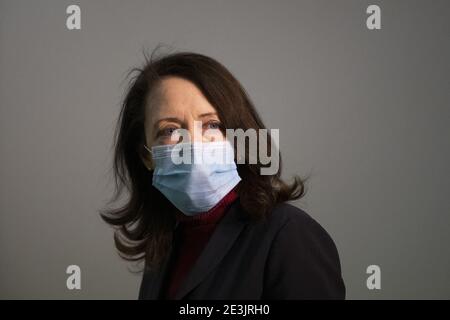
(303, 261)
(284, 213)
(291, 219)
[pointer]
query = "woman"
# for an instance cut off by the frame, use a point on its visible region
(209, 231)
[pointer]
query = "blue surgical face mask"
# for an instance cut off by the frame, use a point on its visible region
(194, 176)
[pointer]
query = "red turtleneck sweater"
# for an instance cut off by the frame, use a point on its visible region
(193, 233)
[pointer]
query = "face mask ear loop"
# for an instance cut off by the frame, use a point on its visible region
(150, 153)
(148, 149)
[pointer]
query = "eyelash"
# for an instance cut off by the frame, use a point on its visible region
(215, 122)
(163, 132)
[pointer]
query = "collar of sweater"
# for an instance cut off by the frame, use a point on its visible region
(212, 216)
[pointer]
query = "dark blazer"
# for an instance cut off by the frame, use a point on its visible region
(287, 256)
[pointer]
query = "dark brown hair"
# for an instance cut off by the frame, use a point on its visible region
(144, 224)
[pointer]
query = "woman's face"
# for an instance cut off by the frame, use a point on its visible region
(174, 105)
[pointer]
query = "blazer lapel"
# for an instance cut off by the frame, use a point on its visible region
(217, 247)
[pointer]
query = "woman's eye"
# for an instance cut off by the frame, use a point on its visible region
(167, 131)
(214, 125)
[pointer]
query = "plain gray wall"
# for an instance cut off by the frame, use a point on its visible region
(367, 113)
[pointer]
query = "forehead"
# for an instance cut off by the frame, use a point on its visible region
(174, 97)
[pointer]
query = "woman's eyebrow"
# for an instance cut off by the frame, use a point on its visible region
(207, 114)
(176, 120)
(172, 119)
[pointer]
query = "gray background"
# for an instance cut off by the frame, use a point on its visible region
(365, 112)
